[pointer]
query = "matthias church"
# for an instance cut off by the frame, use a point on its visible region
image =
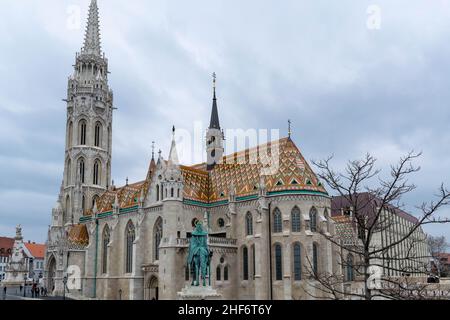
(131, 241)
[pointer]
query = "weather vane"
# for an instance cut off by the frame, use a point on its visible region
(214, 79)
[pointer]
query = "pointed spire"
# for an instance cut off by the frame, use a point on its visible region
(153, 150)
(289, 128)
(92, 36)
(152, 166)
(173, 155)
(214, 123)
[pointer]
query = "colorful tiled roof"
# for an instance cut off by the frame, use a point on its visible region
(127, 196)
(345, 230)
(240, 171)
(37, 250)
(78, 234)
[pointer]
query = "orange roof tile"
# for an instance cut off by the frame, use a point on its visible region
(37, 250)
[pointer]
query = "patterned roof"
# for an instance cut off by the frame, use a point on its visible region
(345, 230)
(240, 171)
(127, 196)
(78, 234)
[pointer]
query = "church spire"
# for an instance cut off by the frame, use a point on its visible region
(92, 37)
(173, 154)
(214, 123)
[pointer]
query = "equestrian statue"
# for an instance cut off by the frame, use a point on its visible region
(199, 258)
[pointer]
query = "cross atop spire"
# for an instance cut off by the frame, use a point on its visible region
(214, 123)
(92, 36)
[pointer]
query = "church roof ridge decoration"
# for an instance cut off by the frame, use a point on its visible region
(213, 187)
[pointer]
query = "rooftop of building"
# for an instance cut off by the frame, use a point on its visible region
(37, 250)
(5, 245)
(368, 203)
(238, 173)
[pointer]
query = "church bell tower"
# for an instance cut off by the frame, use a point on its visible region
(87, 167)
(214, 135)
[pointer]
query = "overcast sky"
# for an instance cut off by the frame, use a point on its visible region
(351, 83)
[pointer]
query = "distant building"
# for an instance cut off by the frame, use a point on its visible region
(6, 245)
(406, 258)
(444, 264)
(36, 262)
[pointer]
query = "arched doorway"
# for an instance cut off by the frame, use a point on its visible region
(152, 288)
(51, 274)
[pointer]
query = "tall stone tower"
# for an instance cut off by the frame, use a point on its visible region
(214, 136)
(87, 166)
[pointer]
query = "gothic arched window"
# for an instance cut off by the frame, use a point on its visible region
(81, 169)
(253, 261)
(82, 132)
(277, 221)
(98, 134)
(186, 273)
(171, 192)
(313, 219)
(295, 219)
(225, 273)
(245, 263)
(96, 173)
(297, 262)
(157, 236)
(315, 262)
(218, 275)
(67, 209)
(83, 203)
(130, 235)
(278, 263)
(70, 134)
(326, 223)
(69, 172)
(350, 274)
(157, 192)
(249, 223)
(109, 137)
(106, 238)
(94, 200)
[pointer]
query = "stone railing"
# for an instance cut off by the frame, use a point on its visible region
(222, 241)
(182, 242)
(211, 241)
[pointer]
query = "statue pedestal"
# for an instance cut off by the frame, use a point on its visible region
(199, 293)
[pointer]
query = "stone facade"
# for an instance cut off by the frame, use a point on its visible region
(131, 242)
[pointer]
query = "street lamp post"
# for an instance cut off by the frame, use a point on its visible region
(120, 294)
(24, 284)
(64, 283)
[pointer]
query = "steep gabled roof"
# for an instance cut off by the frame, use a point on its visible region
(241, 171)
(37, 250)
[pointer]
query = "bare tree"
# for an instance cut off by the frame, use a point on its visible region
(381, 252)
(438, 246)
